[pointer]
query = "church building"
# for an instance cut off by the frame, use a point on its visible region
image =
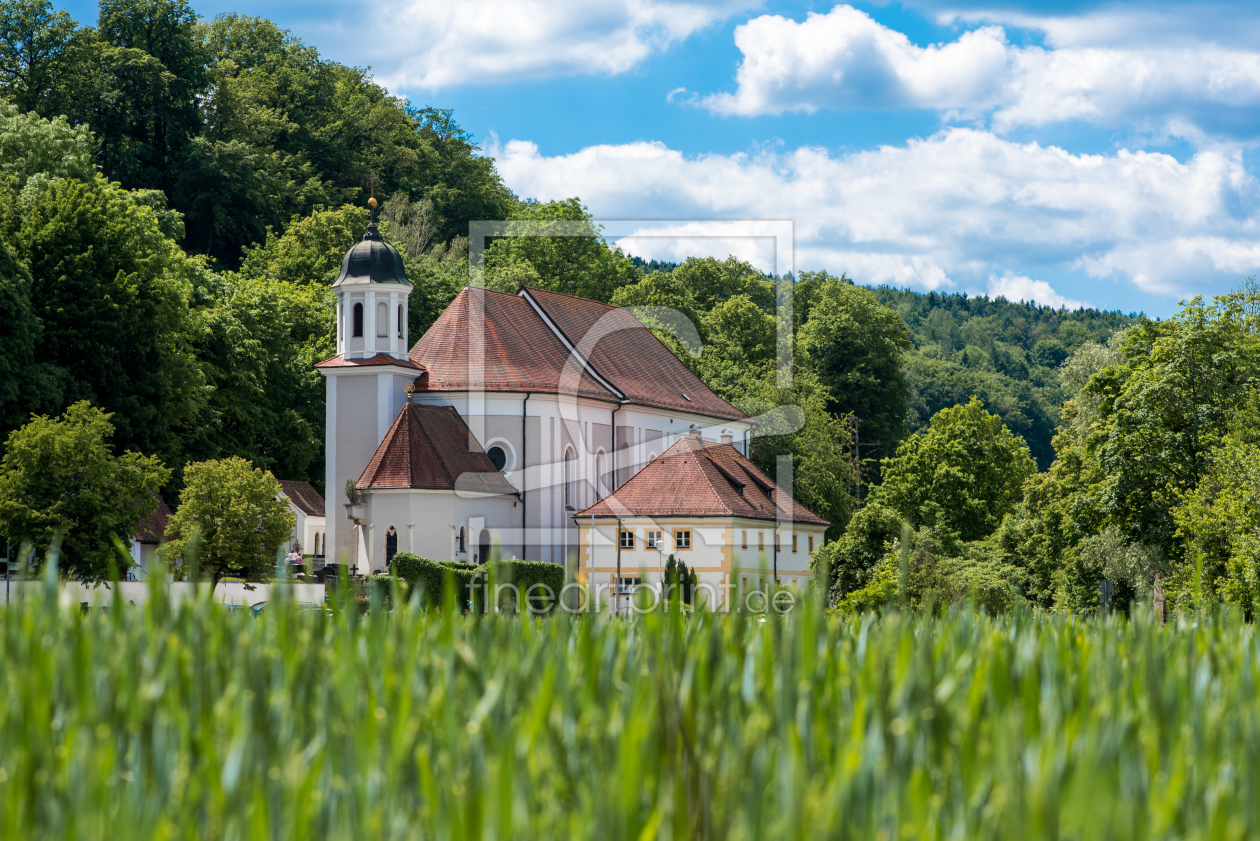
(486, 436)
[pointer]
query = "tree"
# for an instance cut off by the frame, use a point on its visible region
(61, 482)
(26, 383)
(713, 282)
(167, 106)
(856, 347)
(37, 50)
(1161, 413)
(230, 521)
(963, 474)
(795, 423)
(850, 559)
(311, 248)
(1220, 518)
(112, 293)
(258, 342)
(33, 146)
(582, 265)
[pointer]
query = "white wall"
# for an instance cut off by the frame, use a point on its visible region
(716, 553)
(428, 521)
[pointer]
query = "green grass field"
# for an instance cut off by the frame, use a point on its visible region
(144, 724)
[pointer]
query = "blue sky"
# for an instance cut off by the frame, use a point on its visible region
(1070, 152)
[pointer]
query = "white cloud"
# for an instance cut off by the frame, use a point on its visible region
(948, 211)
(1019, 288)
(846, 60)
(433, 44)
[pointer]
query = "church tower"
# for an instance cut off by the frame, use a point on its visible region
(366, 382)
(372, 295)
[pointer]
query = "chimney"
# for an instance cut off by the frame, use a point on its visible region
(727, 438)
(694, 432)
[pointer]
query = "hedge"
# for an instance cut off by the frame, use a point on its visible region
(430, 577)
(524, 575)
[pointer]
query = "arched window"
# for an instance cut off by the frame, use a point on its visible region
(358, 321)
(400, 321)
(382, 320)
(462, 546)
(317, 552)
(624, 468)
(483, 546)
(570, 480)
(601, 479)
(391, 544)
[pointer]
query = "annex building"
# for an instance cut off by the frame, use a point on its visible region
(512, 415)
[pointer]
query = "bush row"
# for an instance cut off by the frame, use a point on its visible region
(428, 579)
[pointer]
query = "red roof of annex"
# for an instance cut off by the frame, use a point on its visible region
(431, 447)
(695, 478)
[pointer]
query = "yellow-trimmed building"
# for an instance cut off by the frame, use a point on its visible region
(707, 505)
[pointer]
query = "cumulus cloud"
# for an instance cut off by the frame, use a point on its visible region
(846, 60)
(433, 44)
(948, 211)
(1019, 288)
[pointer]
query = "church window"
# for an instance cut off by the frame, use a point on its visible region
(400, 321)
(391, 544)
(497, 457)
(382, 320)
(570, 481)
(358, 321)
(794, 542)
(601, 480)
(462, 546)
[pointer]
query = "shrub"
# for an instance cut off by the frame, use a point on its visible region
(524, 575)
(428, 579)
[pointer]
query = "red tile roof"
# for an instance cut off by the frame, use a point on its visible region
(153, 529)
(304, 496)
(379, 359)
(492, 341)
(627, 355)
(431, 447)
(701, 479)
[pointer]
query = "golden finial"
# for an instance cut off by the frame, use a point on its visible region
(372, 202)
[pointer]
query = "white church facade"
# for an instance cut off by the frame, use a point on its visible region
(511, 414)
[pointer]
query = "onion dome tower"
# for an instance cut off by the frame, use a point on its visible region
(372, 292)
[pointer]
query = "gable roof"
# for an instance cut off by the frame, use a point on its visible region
(304, 496)
(500, 338)
(695, 478)
(431, 447)
(628, 356)
(152, 529)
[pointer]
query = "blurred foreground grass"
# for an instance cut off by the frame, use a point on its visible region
(145, 723)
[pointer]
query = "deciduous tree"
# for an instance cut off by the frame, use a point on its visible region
(229, 520)
(60, 481)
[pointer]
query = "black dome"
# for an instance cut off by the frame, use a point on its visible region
(372, 260)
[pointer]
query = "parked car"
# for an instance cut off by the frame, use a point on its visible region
(302, 607)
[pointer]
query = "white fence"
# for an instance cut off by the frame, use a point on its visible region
(137, 592)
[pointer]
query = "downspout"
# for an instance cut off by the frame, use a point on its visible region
(524, 475)
(620, 406)
(618, 564)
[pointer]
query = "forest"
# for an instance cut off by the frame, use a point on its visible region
(177, 194)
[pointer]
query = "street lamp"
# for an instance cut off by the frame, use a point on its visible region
(564, 542)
